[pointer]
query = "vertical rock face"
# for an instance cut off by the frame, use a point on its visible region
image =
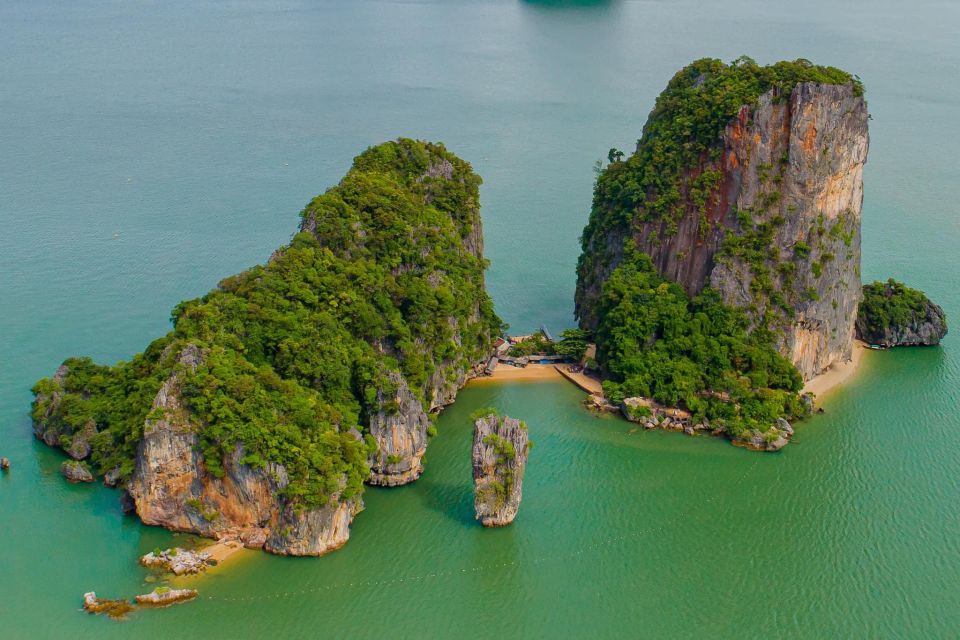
(819, 139)
(44, 428)
(500, 450)
(777, 231)
(400, 431)
(171, 487)
(313, 532)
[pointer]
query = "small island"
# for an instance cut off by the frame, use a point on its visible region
(501, 446)
(279, 394)
(720, 264)
(894, 315)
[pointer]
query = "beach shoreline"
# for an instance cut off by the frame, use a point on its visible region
(837, 375)
(223, 550)
(531, 373)
(821, 386)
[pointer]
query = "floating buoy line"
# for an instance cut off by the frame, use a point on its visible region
(468, 570)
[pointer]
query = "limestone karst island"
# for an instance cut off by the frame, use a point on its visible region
(702, 378)
(720, 272)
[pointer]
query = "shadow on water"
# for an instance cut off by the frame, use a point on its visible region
(455, 501)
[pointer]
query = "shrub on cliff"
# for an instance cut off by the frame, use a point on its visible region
(387, 275)
(654, 341)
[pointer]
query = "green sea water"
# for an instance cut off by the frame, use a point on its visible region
(149, 148)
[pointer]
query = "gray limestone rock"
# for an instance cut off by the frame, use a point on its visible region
(796, 161)
(501, 446)
(76, 471)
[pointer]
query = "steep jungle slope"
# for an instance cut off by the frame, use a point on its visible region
(283, 390)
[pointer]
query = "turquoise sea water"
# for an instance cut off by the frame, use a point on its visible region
(148, 149)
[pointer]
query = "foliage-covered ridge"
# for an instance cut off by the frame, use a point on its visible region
(385, 277)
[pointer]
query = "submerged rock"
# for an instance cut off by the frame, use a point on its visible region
(500, 449)
(112, 608)
(164, 596)
(177, 561)
(76, 471)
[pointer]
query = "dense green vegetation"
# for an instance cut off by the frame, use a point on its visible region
(537, 343)
(573, 343)
(655, 342)
(888, 306)
(673, 172)
(385, 276)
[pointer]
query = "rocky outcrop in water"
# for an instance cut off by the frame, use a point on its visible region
(177, 561)
(651, 415)
(894, 315)
(117, 609)
(164, 597)
(500, 449)
(75, 471)
(768, 214)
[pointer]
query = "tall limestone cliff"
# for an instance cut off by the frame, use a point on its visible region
(278, 394)
(749, 180)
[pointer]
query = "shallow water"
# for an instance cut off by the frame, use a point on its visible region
(148, 149)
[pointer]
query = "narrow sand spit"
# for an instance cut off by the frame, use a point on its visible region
(221, 551)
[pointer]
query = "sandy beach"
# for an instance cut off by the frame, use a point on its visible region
(837, 374)
(221, 551)
(530, 372)
(820, 386)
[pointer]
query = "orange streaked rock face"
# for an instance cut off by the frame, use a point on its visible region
(794, 162)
